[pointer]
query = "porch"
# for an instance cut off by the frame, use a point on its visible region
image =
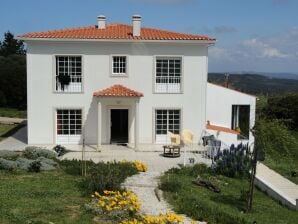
(117, 116)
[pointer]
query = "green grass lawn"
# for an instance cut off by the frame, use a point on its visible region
(284, 166)
(42, 198)
(225, 207)
(7, 129)
(12, 112)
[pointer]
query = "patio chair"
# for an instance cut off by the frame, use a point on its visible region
(175, 138)
(187, 137)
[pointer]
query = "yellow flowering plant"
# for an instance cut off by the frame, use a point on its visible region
(168, 218)
(124, 207)
(115, 204)
(141, 167)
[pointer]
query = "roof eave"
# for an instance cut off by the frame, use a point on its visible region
(208, 42)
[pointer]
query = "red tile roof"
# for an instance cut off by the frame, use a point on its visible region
(114, 31)
(118, 91)
(220, 128)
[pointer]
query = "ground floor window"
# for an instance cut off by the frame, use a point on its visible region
(166, 120)
(69, 125)
(240, 120)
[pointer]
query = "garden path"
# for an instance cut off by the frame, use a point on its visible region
(143, 184)
(277, 186)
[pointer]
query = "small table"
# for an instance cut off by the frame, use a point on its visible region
(171, 150)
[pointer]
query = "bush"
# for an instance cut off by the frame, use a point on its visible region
(33, 152)
(44, 160)
(10, 155)
(34, 167)
(74, 167)
(7, 165)
(107, 176)
(234, 162)
(100, 176)
(284, 108)
(24, 163)
(60, 150)
(274, 138)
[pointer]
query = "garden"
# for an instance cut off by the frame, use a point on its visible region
(37, 187)
(219, 194)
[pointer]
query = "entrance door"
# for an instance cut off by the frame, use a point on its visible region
(119, 126)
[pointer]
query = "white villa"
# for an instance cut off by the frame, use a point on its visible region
(117, 83)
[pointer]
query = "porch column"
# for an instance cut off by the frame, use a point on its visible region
(136, 125)
(98, 125)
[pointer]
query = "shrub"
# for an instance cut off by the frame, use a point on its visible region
(60, 150)
(100, 176)
(33, 152)
(7, 165)
(35, 166)
(274, 138)
(234, 162)
(74, 167)
(107, 176)
(24, 163)
(10, 155)
(31, 165)
(47, 161)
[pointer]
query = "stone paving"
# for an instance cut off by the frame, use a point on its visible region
(16, 142)
(277, 186)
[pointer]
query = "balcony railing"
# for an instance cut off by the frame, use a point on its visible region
(168, 84)
(75, 86)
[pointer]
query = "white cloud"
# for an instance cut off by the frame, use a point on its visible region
(262, 50)
(217, 53)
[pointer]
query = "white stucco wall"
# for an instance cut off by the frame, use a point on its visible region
(219, 110)
(96, 56)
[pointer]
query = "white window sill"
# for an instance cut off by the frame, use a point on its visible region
(120, 75)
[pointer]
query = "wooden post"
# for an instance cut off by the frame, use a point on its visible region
(254, 160)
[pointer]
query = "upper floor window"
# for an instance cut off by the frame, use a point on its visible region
(168, 75)
(119, 65)
(68, 73)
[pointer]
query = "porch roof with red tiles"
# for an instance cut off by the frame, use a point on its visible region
(117, 91)
(115, 31)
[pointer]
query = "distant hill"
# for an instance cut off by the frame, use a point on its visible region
(280, 75)
(256, 84)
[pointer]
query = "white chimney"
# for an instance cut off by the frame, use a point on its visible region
(136, 25)
(101, 22)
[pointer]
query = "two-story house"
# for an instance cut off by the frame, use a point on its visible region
(117, 83)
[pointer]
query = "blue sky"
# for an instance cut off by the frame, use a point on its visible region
(253, 35)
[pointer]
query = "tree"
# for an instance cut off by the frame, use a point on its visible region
(12, 72)
(11, 46)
